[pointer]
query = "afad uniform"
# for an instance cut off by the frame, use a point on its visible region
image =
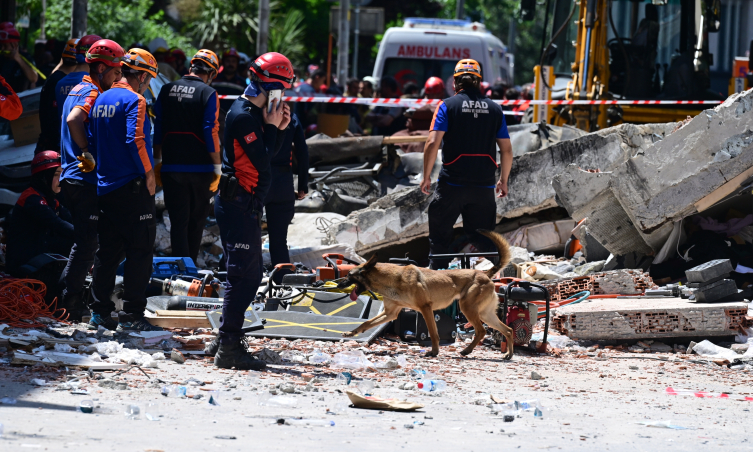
(249, 146)
(120, 133)
(10, 104)
(187, 126)
(78, 188)
(82, 95)
(472, 124)
(64, 87)
(279, 204)
(36, 227)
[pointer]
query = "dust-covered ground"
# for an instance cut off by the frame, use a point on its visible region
(592, 399)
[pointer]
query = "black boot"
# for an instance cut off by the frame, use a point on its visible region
(236, 354)
(210, 348)
(75, 308)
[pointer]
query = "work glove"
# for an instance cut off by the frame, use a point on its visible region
(87, 164)
(158, 172)
(215, 185)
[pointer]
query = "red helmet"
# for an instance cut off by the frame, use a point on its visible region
(6, 25)
(45, 160)
(84, 43)
(9, 33)
(434, 85)
(274, 67)
(231, 52)
(178, 53)
(105, 51)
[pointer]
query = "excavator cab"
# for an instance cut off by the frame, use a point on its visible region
(625, 50)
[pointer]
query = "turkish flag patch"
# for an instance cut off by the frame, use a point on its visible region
(250, 138)
(89, 101)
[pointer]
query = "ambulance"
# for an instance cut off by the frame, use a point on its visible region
(424, 48)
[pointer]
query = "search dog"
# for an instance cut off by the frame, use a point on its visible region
(426, 291)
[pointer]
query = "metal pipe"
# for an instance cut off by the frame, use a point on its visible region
(697, 63)
(357, 34)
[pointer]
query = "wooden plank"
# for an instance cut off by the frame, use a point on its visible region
(723, 191)
(165, 313)
(408, 139)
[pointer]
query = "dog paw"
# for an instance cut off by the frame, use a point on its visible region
(349, 334)
(431, 354)
(507, 356)
(466, 352)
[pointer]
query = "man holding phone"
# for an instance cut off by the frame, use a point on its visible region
(253, 130)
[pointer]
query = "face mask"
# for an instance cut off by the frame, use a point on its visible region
(255, 88)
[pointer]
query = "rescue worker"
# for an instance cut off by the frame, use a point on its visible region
(230, 73)
(10, 104)
(179, 61)
(49, 114)
(253, 133)
(14, 68)
(121, 136)
(279, 204)
(187, 151)
(470, 125)
(434, 88)
(74, 77)
(38, 224)
(79, 180)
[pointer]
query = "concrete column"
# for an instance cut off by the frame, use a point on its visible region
(343, 42)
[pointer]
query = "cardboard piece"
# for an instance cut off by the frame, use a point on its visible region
(378, 403)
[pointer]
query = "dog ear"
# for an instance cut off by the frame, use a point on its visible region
(371, 262)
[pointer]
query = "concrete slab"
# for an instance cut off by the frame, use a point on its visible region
(648, 318)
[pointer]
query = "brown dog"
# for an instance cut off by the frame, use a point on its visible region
(426, 291)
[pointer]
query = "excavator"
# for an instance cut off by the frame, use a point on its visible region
(606, 53)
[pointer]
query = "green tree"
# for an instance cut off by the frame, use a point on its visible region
(286, 36)
(123, 21)
(496, 15)
(227, 23)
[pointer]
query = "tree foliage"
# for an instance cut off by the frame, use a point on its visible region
(227, 23)
(123, 21)
(496, 15)
(286, 36)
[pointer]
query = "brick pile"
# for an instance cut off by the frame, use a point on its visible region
(620, 282)
(648, 318)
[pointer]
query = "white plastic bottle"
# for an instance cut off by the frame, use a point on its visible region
(432, 385)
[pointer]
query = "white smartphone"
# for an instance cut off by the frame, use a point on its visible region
(273, 94)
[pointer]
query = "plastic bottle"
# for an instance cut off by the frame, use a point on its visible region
(432, 385)
(538, 414)
(132, 412)
(319, 357)
(366, 387)
(528, 405)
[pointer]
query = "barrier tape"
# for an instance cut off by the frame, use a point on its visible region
(421, 102)
(703, 394)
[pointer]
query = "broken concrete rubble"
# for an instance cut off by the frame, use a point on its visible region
(633, 206)
(401, 216)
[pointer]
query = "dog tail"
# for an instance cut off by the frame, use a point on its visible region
(504, 251)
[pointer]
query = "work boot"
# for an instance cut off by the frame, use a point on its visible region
(75, 308)
(210, 349)
(236, 354)
(128, 322)
(105, 321)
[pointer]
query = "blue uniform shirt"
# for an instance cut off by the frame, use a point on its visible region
(64, 87)
(82, 96)
(121, 135)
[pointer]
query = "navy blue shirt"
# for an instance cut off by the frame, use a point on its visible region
(472, 124)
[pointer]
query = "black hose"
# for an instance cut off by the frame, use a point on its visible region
(554, 38)
(622, 48)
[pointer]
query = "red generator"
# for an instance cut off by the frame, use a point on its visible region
(518, 309)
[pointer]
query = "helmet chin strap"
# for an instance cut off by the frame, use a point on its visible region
(102, 75)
